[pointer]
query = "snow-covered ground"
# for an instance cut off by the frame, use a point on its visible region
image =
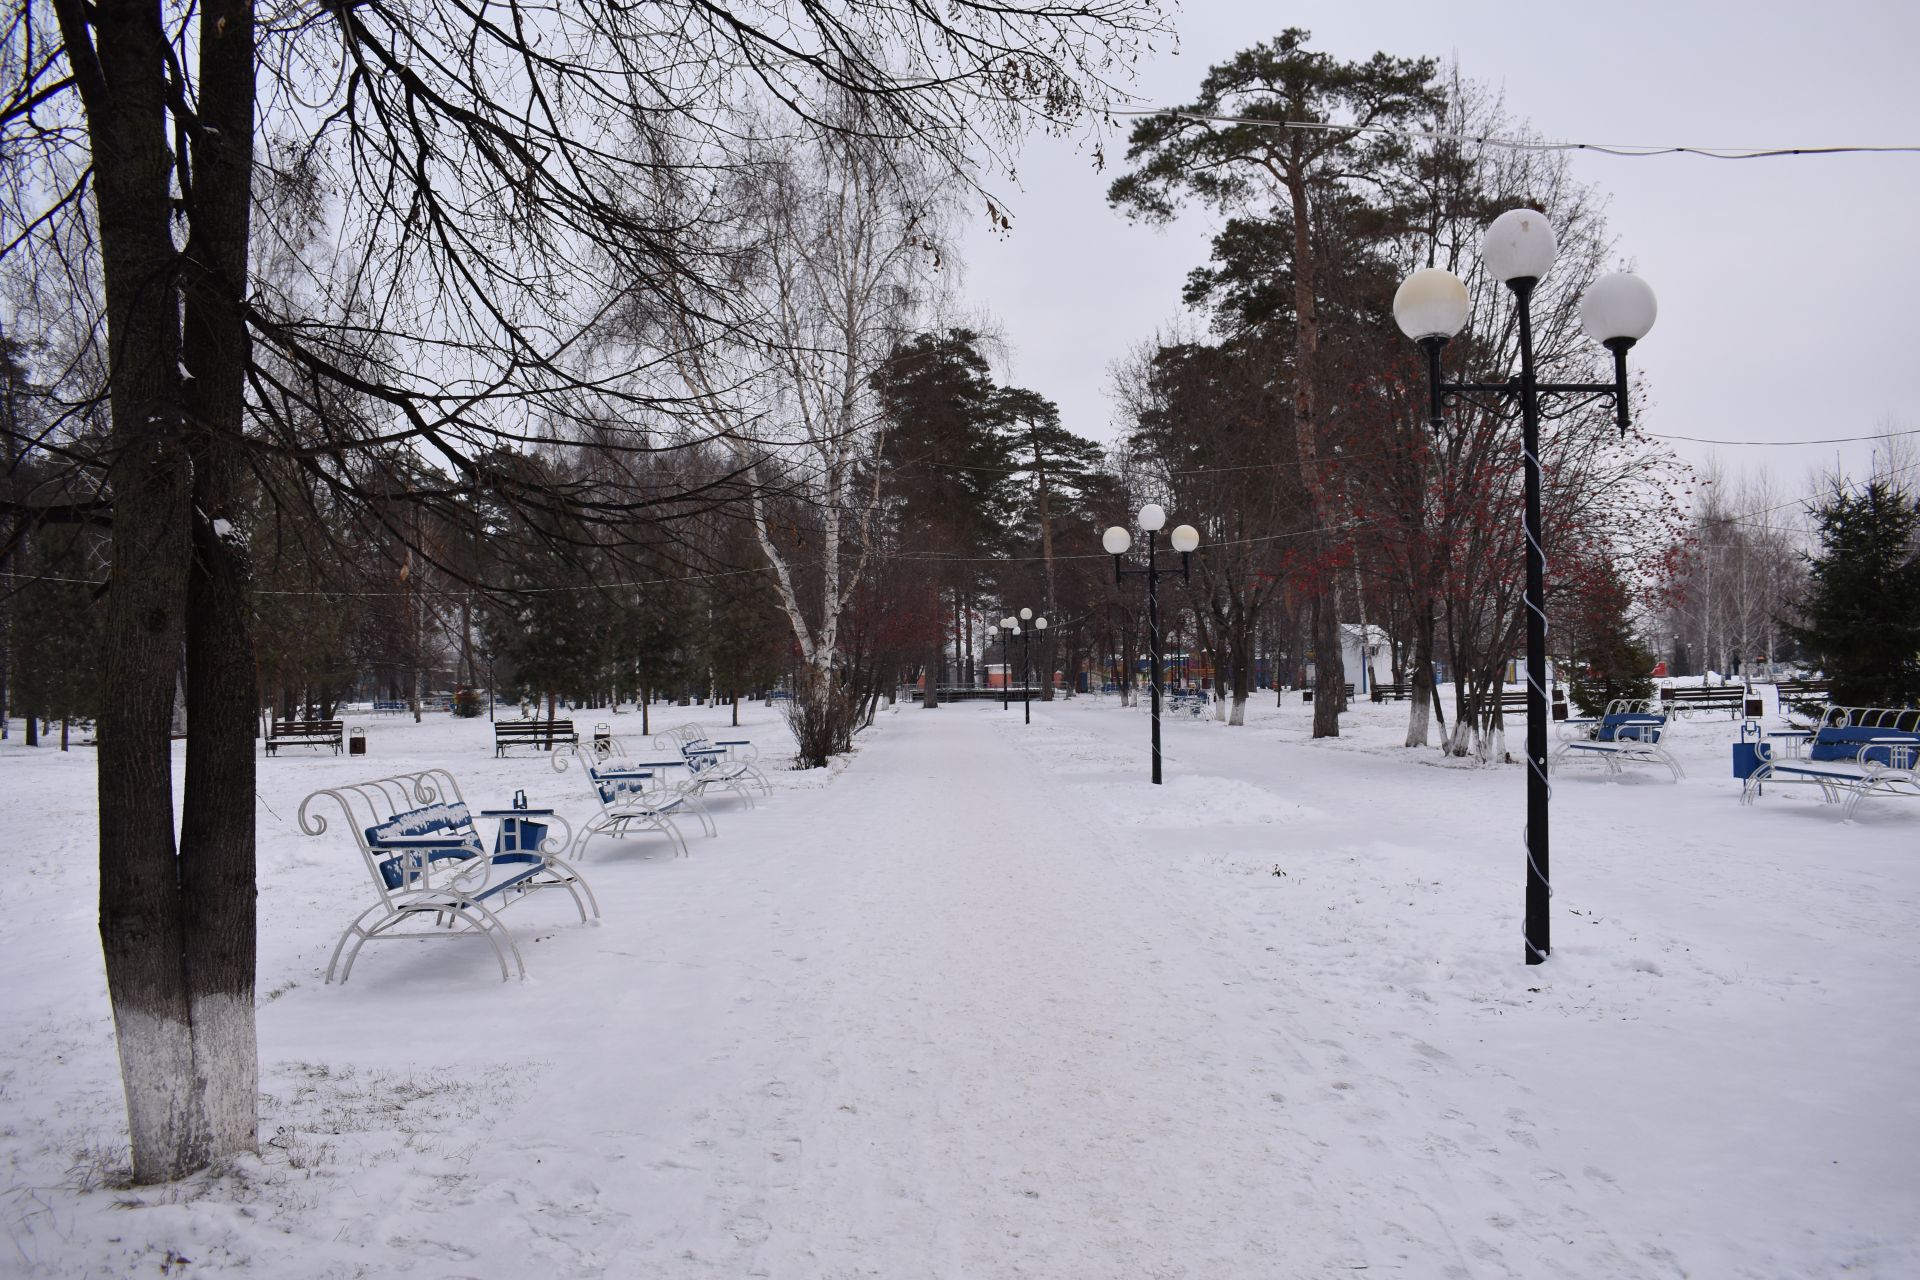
(984, 1003)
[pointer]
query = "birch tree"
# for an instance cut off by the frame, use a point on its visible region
(839, 251)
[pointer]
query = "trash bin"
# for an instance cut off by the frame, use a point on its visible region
(603, 739)
(356, 741)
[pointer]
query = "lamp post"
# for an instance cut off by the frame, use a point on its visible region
(1617, 311)
(1184, 539)
(1026, 659)
(1007, 627)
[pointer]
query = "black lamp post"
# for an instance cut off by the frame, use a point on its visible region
(1616, 311)
(1116, 540)
(1007, 627)
(1026, 658)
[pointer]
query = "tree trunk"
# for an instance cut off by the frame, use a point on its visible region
(217, 871)
(936, 656)
(1329, 666)
(122, 85)
(1240, 646)
(1421, 692)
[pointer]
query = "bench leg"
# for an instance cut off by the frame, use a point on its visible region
(477, 918)
(575, 884)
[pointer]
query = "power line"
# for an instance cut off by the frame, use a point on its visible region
(1785, 444)
(1628, 149)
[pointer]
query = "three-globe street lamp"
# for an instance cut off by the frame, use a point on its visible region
(1616, 311)
(1026, 658)
(1116, 540)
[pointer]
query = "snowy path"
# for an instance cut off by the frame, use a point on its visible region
(985, 1004)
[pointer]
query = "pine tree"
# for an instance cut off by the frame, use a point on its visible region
(1862, 611)
(1609, 661)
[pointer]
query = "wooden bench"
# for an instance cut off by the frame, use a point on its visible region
(432, 874)
(1686, 699)
(1392, 692)
(1306, 694)
(305, 733)
(1513, 702)
(543, 734)
(1806, 697)
(1851, 753)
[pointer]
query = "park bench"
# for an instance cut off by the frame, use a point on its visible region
(1513, 703)
(1397, 692)
(388, 707)
(1802, 697)
(543, 734)
(1306, 694)
(1629, 732)
(432, 875)
(1193, 702)
(1685, 699)
(633, 796)
(305, 733)
(731, 763)
(1851, 753)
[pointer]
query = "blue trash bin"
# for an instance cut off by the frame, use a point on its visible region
(1752, 751)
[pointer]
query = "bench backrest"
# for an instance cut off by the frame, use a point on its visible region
(1848, 733)
(380, 813)
(406, 846)
(615, 780)
(284, 728)
(1631, 726)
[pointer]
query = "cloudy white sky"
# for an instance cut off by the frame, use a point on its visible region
(1787, 286)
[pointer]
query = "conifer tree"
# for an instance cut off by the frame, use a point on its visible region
(1861, 617)
(1609, 661)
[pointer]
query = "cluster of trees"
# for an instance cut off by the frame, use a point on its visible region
(353, 294)
(1295, 432)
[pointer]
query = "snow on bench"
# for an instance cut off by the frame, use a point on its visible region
(724, 762)
(634, 795)
(1629, 733)
(1851, 753)
(429, 867)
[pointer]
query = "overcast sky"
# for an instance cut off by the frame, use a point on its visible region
(1787, 287)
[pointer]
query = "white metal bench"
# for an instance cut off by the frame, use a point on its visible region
(1629, 733)
(1851, 753)
(633, 796)
(433, 875)
(730, 763)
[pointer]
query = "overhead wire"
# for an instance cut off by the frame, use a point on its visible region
(1627, 149)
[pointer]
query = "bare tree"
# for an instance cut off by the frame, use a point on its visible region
(472, 168)
(839, 250)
